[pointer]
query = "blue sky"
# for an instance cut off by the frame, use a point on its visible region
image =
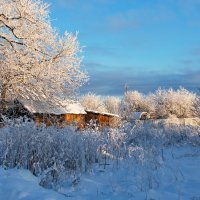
(145, 44)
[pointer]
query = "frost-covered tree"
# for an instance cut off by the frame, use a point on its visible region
(112, 104)
(35, 62)
(179, 103)
(197, 107)
(93, 102)
(134, 101)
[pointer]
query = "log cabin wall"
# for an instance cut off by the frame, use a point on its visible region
(102, 120)
(81, 120)
(77, 119)
(60, 120)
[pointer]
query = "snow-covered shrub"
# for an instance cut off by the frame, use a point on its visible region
(163, 103)
(93, 102)
(197, 107)
(59, 154)
(134, 101)
(146, 150)
(53, 153)
(112, 104)
(179, 103)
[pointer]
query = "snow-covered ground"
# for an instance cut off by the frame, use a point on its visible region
(20, 184)
(174, 175)
(177, 176)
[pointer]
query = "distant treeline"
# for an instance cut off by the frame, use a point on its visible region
(163, 103)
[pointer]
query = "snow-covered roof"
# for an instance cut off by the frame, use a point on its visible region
(102, 113)
(138, 115)
(65, 107)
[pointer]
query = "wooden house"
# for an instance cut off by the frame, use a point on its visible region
(82, 119)
(61, 115)
(101, 119)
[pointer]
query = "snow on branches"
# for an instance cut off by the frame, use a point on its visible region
(35, 62)
(179, 103)
(93, 102)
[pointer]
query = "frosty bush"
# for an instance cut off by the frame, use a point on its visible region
(59, 154)
(197, 107)
(163, 103)
(134, 101)
(147, 146)
(112, 104)
(93, 102)
(53, 153)
(179, 103)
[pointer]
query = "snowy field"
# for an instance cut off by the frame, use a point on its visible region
(177, 176)
(135, 161)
